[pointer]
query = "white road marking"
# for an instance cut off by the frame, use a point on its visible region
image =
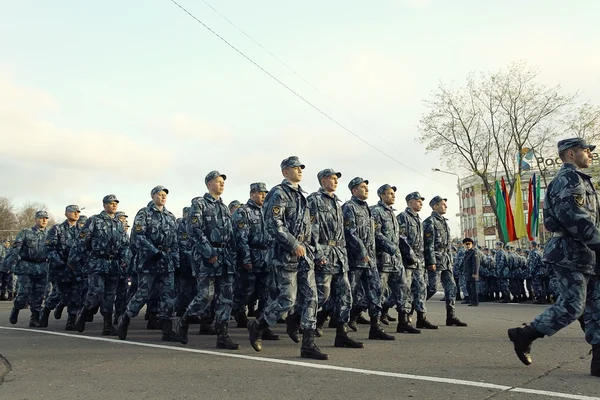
(316, 366)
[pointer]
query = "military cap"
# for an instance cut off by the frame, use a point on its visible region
(72, 208)
(292, 161)
(328, 172)
(383, 188)
(212, 175)
(467, 240)
(120, 214)
(534, 243)
(436, 200)
(158, 189)
(41, 214)
(109, 198)
(82, 218)
(234, 203)
(415, 196)
(258, 187)
(574, 142)
(486, 249)
(500, 244)
(519, 249)
(356, 181)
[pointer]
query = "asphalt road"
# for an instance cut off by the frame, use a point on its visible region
(476, 362)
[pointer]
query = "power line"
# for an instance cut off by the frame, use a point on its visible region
(297, 94)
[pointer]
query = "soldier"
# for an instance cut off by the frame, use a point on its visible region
(572, 214)
(185, 283)
(233, 206)
(253, 275)
(157, 255)
(359, 230)
(537, 269)
(287, 218)
(103, 244)
(5, 273)
(29, 261)
(459, 277)
(438, 258)
(121, 296)
(389, 256)
(502, 272)
(470, 267)
(61, 239)
(331, 260)
(213, 260)
(412, 228)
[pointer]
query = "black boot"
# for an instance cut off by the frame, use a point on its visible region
(321, 318)
(362, 320)
(242, 320)
(43, 323)
(268, 334)
(343, 340)
(182, 329)
(595, 367)
(451, 319)
(34, 320)
(223, 339)
(522, 339)
(153, 322)
(166, 325)
(309, 348)
(207, 329)
(354, 313)
(70, 326)
(108, 328)
(58, 310)
(82, 318)
(14, 316)
(255, 332)
(123, 326)
(293, 326)
(376, 333)
(423, 322)
(90, 315)
(384, 315)
(404, 325)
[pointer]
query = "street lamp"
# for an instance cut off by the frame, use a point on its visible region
(460, 206)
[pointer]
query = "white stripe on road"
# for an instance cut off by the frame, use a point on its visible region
(315, 366)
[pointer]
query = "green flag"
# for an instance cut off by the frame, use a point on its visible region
(501, 211)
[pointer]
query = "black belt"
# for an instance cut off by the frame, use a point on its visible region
(333, 243)
(258, 247)
(33, 260)
(219, 245)
(105, 256)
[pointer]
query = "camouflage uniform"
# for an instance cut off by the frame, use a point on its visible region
(5, 275)
(537, 270)
(502, 272)
(459, 275)
(185, 283)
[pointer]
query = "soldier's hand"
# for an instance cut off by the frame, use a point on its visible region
(431, 267)
(212, 260)
(320, 262)
(366, 259)
(299, 251)
(247, 267)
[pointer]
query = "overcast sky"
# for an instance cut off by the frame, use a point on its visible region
(117, 97)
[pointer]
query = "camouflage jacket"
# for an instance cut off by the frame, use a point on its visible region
(411, 227)
(154, 232)
(3, 265)
(359, 230)
(571, 213)
(103, 244)
(27, 255)
(436, 238)
(387, 238)
(287, 218)
(251, 236)
(502, 265)
(328, 231)
(458, 261)
(534, 263)
(59, 242)
(185, 247)
(211, 234)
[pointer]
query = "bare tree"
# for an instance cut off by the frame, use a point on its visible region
(584, 123)
(26, 215)
(8, 219)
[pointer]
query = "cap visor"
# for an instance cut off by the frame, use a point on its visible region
(222, 176)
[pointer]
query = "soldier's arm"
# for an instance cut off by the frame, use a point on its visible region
(274, 220)
(174, 242)
(196, 233)
(83, 243)
(241, 230)
(313, 207)
(429, 242)
(51, 247)
(573, 213)
(402, 223)
(14, 255)
(381, 241)
(140, 240)
(353, 241)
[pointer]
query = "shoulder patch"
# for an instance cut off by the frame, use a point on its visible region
(138, 228)
(579, 200)
(184, 235)
(82, 235)
(194, 220)
(346, 223)
(276, 210)
(241, 225)
(428, 234)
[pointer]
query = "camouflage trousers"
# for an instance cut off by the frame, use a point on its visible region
(164, 284)
(540, 285)
(577, 292)
(463, 284)
(418, 289)
(217, 288)
(133, 279)
(296, 293)
(483, 286)
(31, 290)
(553, 284)
(251, 285)
(69, 293)
(121, 296)
(102, 289)
(334, 295)
(447, 283)
(504, 287)
(151, 304)
(6, 282)
(398, 289)
(185, 289)
(367, 278)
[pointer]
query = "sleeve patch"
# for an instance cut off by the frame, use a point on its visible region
(82, 235)
(138, 228)
(276, 210)
(579, 200)
(241, 225)
(346, 223)
(194, 220)
(428, 234)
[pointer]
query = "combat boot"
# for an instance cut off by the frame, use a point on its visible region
(268, 334)
(354, 312)
(321, 318)
(595, 366)
(58, 310)
(242, 320)
(182, 329)
(451, 319)
(376, 333)
(362, 320)
(14, 316)
(123, 326)
(43, 323)
(108, 329)
(3, 295)
(540, 300)
(423, 322)
(34, 320)
(166, 325)
(293, 326)
(82, 318)
(309, 349)
(404, 326)
(207, 329)
(384, 315)
(223, 339)
(343, 340)
(333, 323)
(70, 326)
(522, 339)
(153, 322)
(255, 332)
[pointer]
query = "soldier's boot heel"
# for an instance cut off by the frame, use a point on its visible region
(376, 333)
(293, 327)
(255, 332)
(43, 323)
(168, 335)
(595, 366)
(108, 328)
(451, 319)
(14, 316)
(58, 311)
(70, 326)
(268, 334)
(82, 318)
(423, 322)
(309, 349)
(34, 320)
(223, 339)
(522, 339)
(343, 340)
(182, 329)
(404, 326)
(123, 326)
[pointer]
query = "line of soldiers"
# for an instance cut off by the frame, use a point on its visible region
(302, 259)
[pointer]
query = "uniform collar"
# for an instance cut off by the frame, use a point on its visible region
(359, 201)
(389, 208)
(331, 196)
(209, 198)
(289, 184)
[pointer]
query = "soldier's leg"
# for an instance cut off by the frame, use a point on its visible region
(131, 289)
(140, 297)
(419, 290)
(450, 291)
(24, 293)
(224, 301)
(323, 287)
(287, 284)
(356, 286)
(308, 298)
(54, 297)
(406, 303)
(244, 284)
(202, 302)
(386, 293)
(432, 283)
(186, 292)
(121, 296)
(592, 322)
(38, 290)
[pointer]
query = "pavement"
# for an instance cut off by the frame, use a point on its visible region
(476, 362)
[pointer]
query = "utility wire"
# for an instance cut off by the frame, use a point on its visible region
(297, 94)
